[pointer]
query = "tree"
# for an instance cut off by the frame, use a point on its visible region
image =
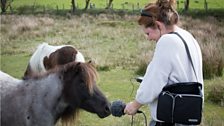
(3, 6)
(87, 4)
(186, 5)
(109, 4)
(73, 6)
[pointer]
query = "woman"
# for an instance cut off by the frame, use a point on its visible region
(170, 63)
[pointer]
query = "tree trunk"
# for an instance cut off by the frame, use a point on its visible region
(3, 6)
(109, 4)
(73, 6)
(87, 4)
(186, 5)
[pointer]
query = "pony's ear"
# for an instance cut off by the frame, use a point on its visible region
(46, 63)
(71, 69)
(77, 67)
(92, 63)
(74, 54)
(77, 64)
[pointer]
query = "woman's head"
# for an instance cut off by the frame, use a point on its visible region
(162, 11)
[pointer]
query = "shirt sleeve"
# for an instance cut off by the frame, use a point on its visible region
(157, 73)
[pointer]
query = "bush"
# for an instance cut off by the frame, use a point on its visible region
(216, 93)
(141, 68)
(213, 60)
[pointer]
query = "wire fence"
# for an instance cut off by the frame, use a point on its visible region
(125, 6)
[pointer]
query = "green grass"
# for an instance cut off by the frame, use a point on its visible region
(15, 65)
(199, 4)
(117, 4)
(66, 4)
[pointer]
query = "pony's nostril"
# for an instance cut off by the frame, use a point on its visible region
(107, 109)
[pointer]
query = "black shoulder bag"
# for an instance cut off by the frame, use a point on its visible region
(181, 102)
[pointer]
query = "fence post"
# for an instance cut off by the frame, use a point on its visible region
(206, 6)
(10, 7)
(106, 3)
(57, 8)
(133, 8)
(33, 8)
(122, 6)
(138, 5)
(44, 8)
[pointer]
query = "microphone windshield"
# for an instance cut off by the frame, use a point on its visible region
(117, 108)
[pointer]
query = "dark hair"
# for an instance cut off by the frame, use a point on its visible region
(162, 10)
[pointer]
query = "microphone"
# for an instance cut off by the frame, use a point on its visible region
(117, 108)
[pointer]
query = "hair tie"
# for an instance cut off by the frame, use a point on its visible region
(143, 13)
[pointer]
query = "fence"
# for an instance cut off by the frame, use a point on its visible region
(125, 6)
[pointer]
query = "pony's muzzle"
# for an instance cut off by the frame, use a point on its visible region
(106, 111)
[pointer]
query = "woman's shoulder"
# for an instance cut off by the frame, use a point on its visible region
(168, 39)
(171, 43)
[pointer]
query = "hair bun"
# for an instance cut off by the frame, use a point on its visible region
(166, 3)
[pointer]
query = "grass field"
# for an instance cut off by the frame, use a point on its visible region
(115, 43)
(117, 4)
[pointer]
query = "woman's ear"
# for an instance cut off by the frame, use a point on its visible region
(160, 25)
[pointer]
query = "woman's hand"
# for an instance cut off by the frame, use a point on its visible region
(132, 107)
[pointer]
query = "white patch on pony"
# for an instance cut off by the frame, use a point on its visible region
(79, 57)
(36, 61)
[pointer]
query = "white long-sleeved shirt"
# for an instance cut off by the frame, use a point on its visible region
(170, 64)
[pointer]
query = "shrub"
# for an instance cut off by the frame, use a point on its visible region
(141, 68)
(213, 60)
(216, 93)
(143, 61)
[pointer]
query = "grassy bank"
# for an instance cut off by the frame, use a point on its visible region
(117, 4)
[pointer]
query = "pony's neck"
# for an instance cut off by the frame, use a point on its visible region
(59, 108)
(49, 92)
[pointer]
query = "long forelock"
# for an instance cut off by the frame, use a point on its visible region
(90, 74)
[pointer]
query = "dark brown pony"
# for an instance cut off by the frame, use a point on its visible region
(43, 100)
(47, 57)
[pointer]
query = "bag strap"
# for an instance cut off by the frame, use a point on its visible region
(187, 49)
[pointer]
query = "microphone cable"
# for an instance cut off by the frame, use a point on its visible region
(133, 87)
(145, 118)
(137, 79)
(132, 117)
(117, 110)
